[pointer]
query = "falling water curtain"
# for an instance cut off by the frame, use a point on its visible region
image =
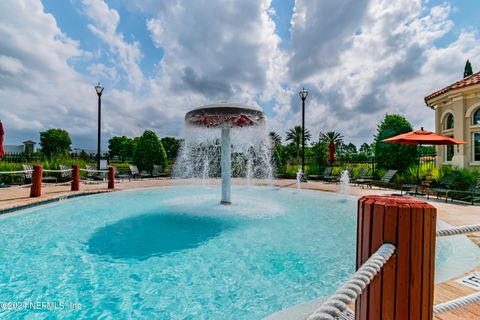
(2, 132)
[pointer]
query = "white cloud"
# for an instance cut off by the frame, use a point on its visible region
(104, 25)
(359, 59)
(38, 88)
(379, 61)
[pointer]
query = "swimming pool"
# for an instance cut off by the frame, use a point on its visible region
(174, 253)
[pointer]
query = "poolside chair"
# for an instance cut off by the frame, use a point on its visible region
(66, 173)
(423, 187)
(135, 173)
(361, 176)
(121, 176)
(384, 181)
(157, 172)
(472, 194)
(93, 175)
(444, 186)
(28, 168)
(327, 176)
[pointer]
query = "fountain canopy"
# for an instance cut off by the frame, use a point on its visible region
(225, 114)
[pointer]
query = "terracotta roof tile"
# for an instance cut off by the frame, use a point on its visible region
(468, 81)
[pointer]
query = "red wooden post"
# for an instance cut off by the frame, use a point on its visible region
(75, 177)
(111, 177)
(404, 288)
(36, 188)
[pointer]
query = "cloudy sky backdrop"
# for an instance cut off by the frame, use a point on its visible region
(359, 59)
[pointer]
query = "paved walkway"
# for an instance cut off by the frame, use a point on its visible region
(454, 214)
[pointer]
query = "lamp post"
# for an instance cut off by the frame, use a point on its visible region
(99, 90)
(303, 95)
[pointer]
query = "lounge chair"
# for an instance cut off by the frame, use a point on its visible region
(93, 174)
(28, 168)
(157, 172)
(330, 178)
(472, 194)
(423, 187)
(66, 173)
(384, 181)
(361, 176)
(446, 184)
(136, 173)
(121, 176)
(325, 176)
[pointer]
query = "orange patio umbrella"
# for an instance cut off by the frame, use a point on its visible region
(423, 137)
(2, 152)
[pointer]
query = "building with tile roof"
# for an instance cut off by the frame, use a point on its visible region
(457, 114)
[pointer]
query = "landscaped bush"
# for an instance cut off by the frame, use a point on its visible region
(425, 171)
(465, 177)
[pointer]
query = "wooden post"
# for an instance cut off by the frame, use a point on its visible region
(75, 177)
(111, 177)
(404, 288)
(36, 188)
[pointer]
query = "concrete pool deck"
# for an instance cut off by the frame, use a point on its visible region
(455, 214)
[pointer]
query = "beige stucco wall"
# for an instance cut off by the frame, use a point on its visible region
(462, 103)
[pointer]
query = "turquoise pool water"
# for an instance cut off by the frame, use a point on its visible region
(174, 253)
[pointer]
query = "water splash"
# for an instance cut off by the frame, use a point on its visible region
(299, 178)
(345, 183)
(200, 154)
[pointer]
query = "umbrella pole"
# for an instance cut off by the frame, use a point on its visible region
(418, 167)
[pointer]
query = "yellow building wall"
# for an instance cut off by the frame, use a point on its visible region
(462, 103)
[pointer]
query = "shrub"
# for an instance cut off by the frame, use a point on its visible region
(391, 155)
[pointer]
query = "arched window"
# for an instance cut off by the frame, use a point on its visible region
(476, 117)
(449, 121)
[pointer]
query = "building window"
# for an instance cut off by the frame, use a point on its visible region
(449, 152)
(476, 117)
(476, 146)
(449, 122)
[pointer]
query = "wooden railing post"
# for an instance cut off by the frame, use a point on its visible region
(75, 177)
(36, 188)
(111, 177)
(404, 288)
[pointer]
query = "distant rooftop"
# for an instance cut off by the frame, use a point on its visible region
(465, 82)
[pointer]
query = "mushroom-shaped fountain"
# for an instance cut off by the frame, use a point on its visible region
(225, 116)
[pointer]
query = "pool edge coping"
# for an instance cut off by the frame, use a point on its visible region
(50, 200)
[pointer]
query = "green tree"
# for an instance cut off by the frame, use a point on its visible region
(468, 69)
(84, 156)
(295, 136)
(116, 146)
(149, 151)
(351, 149)
(320, 152)
(366, 149)
(331, 136)
(333, 140)
(275, 138)
(55, 142)
(171, 146)
(391, 155)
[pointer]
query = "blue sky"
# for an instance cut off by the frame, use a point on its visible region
(359, 59)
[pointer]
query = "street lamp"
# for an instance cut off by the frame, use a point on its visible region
(303, 95)
(99, 90)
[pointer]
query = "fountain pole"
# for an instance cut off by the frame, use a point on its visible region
(226, 164)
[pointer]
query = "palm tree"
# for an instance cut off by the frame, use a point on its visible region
(331, 138)
(275, 138)
(295, 136)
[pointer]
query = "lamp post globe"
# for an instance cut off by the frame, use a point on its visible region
(99, 90)
(303, 95)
